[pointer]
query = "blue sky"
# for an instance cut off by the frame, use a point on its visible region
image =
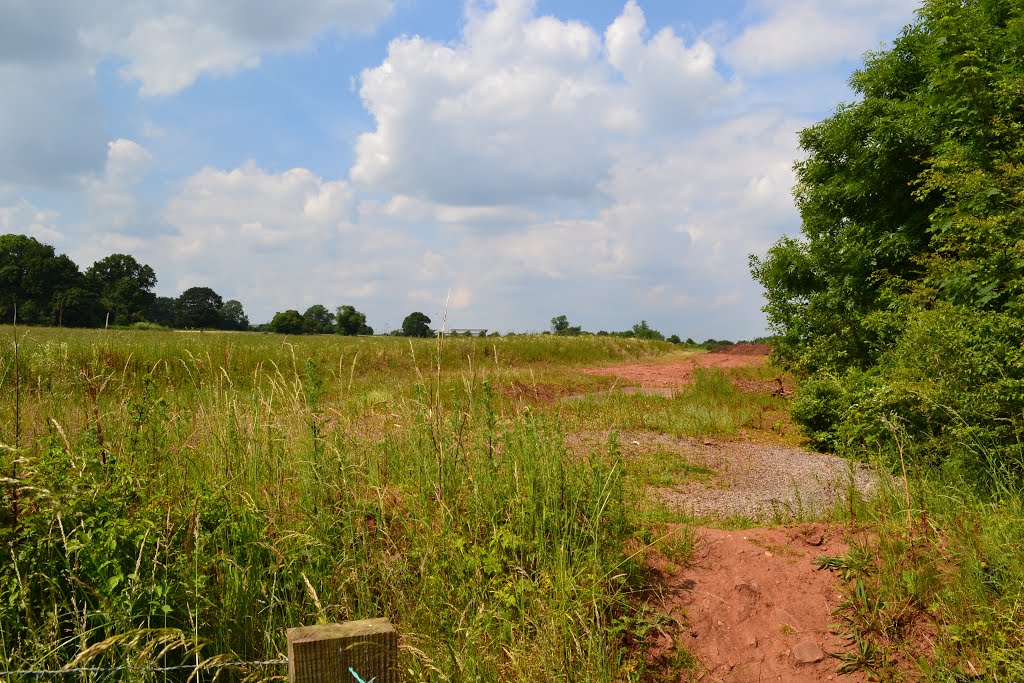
(610, 161)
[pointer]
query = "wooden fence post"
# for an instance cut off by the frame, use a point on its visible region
(353, 652)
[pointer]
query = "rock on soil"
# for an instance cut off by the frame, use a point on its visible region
(754, 607)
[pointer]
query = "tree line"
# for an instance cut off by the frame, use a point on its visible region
(47, 288)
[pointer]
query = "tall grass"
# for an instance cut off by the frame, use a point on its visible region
(186, 496)
(937, 591)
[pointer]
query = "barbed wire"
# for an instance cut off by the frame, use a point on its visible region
(114, 669)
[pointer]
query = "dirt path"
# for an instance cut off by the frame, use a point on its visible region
(755, 608)
(679, 372)
(753, 605)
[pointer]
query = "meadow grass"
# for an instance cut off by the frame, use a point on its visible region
(935, 582)
(179, 496)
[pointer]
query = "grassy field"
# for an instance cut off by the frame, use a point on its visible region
(172, 496)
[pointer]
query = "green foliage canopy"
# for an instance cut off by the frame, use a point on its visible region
(233, 316)
(125, 287)
(912, 207)
(560, 326)
(351, 322)
(199, 308)
(318, 319)
(47, 288)
(416, 324)
(288, 322)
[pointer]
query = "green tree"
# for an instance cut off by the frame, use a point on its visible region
(318, 319)
(47, 288)
(288, 322)
(416, 324)
(911, 248)
(560, 326)
(125, 287)
(352, 322)
(162, 311)
(199, 308)
(643, 331)
(233, 316)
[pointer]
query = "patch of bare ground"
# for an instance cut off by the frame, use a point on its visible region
(676, 373)
(753, 607)
(755, 480)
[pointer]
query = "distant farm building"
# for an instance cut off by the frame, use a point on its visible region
(463, 332)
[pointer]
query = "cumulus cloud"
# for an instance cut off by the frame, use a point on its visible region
(279, 238)
(524, 108)
(670, 243)
(114, 195)
(52, 127)
(805, 35)
(20, 216)
(169, 44)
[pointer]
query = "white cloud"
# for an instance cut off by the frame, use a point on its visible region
(52, 127)
(20, 216)
(524, 108)
(807, 35)
(169, 44)
(282, 239)
(114, 196)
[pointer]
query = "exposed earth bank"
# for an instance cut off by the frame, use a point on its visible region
(752, 605)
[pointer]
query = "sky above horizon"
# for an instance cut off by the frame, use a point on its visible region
(511, 160)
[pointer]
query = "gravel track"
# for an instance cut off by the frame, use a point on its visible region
(759, 481)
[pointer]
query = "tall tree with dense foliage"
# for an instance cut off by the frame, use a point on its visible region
(125, 287)
(318, 319)
(288, 322)
(560, 326)
(199, 308)
(352, 322)
(903, 298)
(233, 316)
(47, 288)
(416, 324)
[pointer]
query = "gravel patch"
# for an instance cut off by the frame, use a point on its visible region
(754, 480)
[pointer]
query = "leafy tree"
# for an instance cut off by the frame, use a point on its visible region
(911, 249)
(233, 316)
(288, 322)
(643, 331)
(416, 324)
(162, 311)
(199, 308)
(46, 287)
(352, 322)
(125, 287)
(318, 319)
(560, 326)
(674, 339)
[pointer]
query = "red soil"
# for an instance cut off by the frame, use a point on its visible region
(678, 373)
(755, 608)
